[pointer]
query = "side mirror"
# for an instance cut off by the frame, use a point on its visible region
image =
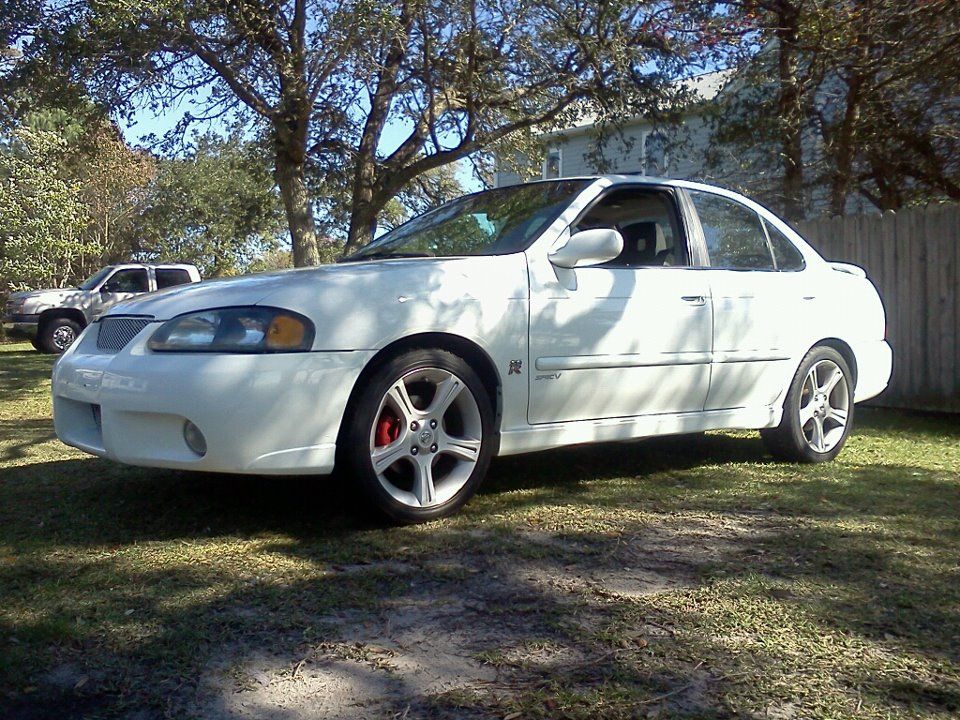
(588, 247)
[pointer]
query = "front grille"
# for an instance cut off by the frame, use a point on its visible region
(116, 332)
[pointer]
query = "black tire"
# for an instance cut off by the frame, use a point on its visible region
(795, 441)
(362, 425)
(53, 333)
(36, 344)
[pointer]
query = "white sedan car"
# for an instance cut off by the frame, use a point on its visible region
(508, 321)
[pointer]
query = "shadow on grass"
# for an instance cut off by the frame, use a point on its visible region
(28, 434)
(21, 372)
(143, 580)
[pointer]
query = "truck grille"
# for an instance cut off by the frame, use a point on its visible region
(116, 332)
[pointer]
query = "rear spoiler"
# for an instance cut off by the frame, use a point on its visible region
(848, 268)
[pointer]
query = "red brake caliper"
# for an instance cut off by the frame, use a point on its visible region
(388, 429)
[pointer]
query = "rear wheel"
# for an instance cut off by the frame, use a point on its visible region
(57, 334)
(818, 410)
(418, 437)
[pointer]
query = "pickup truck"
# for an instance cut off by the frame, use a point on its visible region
(52, 319)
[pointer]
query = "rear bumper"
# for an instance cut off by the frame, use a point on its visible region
(874, 367)
(22, 325)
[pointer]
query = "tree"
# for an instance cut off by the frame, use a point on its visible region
(216, 208)
(327, 78)
(464, 75)
(844, 99)
(890, 116)
(111, 176)
(42, 215)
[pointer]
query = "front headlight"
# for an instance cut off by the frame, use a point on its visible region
(235, 330)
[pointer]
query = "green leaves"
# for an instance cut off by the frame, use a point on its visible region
(215, 208)
(42, 214)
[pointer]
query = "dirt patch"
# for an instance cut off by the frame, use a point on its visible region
(477, 625)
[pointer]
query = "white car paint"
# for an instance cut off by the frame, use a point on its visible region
(602, 354)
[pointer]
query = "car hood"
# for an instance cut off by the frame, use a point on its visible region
(345, 283)
(46, 294)
(36, 301)
(358, 304)
(165, 304)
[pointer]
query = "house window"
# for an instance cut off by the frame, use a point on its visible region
(655, 154)
(553, 164)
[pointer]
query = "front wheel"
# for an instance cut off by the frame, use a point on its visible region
(817, 412)
(418, 438)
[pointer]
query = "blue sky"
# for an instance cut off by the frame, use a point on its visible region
(147, 122)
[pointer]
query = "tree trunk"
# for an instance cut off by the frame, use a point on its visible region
(363, 204)
(363, 225)
(296, 201)
(789, 105)
(843, 149)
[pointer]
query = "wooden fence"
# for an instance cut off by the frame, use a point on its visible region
(913, 257)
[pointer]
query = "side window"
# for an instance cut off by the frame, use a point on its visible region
(168, 277)
(648, 222)
(784, 251)
(734, 235)
(133, 280)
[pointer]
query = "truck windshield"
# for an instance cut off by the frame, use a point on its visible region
(494, 222)
(91, 282)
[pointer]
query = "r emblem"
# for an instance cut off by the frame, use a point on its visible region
(516, 367)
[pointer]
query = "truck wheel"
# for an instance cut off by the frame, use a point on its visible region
(57, 334)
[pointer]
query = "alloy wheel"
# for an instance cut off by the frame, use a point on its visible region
(426, 437)
(824, 406)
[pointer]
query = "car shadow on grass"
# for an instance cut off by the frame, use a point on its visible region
(91, 501)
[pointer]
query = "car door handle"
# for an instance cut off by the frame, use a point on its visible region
(694, 299)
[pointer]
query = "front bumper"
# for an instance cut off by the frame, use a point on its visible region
(260, 414)
(22, 325)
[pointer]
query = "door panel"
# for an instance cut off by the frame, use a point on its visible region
(757, 309)
(619, 342)
(756, 314)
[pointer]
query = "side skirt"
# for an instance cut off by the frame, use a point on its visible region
(552, 435)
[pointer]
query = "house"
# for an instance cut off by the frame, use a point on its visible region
(637, 147)
(675, 151)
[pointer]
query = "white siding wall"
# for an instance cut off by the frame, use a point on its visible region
(623, 152)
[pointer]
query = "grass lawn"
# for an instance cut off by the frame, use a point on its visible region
(664, 578)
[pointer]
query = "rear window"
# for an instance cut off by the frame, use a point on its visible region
(784, 252)
(168, 277)
(735, 238)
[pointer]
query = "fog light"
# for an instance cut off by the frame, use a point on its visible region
(194, 438)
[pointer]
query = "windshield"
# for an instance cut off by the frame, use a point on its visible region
(494, 222)
(91, 282)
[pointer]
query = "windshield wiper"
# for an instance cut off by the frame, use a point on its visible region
(384, 255)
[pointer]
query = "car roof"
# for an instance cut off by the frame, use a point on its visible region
(184, 266)
(639, 178)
